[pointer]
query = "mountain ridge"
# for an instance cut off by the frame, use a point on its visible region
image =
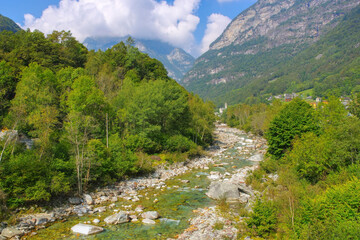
(8, 24)
(270, 33)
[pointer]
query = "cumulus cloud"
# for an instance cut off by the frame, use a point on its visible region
(214, 28)
(149, 19)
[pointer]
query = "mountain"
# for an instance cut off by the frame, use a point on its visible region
(262, 40)
(8, 24)
(176, 61)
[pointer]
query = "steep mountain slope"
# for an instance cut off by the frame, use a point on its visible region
(267, 35)
(176, 61)
(8, 24)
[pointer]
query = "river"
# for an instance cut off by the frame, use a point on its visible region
(177, 199)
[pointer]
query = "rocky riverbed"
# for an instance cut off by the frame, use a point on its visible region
(219, 170)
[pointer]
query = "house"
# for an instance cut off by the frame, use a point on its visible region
(288, 97)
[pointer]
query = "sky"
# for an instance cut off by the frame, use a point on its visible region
(189, 24)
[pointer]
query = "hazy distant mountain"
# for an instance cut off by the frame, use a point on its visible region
(176, 61)
(8, 24)
(256, 51)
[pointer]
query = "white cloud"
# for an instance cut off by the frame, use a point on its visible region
(150, 19)
(214, 28)
(222, 1)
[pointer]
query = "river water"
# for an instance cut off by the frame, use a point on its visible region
(175, 201)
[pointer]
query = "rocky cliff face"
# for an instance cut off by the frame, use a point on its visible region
(176, 61)
(264, 35)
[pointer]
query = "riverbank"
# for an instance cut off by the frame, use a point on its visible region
(128, 195)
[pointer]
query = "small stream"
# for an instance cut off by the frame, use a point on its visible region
(175, 203)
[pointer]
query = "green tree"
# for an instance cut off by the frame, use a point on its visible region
(263, 218)
(297, 118)
(354, 106)
(7, 87)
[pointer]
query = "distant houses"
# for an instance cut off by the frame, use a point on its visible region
(287, 97)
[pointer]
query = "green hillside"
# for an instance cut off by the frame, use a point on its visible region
(330, 67)
(252, 64)
(8, 24)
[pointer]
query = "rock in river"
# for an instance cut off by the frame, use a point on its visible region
(256, 158)
(229, 191)
(121, 217)
(10, 232)
(148, 221)
(150, 215)
(86, 229)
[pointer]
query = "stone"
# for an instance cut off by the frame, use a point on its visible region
(139, 209)
(256, 158)
(229, 191)
(150, 215)
(41, 221)
(121, 217)
(99, 209)
(10, 232)
(169, 221)
(88, 199)
(96, 221)
(214, 177)
(75, 201)
(148, 221)
(86, 229)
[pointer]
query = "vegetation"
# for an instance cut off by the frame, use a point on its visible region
(74, 119)
(8, 25)
(316, 195)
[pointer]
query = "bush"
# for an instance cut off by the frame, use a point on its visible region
(137, 143)
(334, 214)
(295, 119)
(179, 143)
(263, 218)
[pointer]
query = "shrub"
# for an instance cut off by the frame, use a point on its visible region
(179, 143)
(294, 119)
(263, 218)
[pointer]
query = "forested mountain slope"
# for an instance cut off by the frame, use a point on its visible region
(259, 42)
(8, 24)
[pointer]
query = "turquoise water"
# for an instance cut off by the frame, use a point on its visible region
(176, 201)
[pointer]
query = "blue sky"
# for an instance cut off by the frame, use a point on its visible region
(190, 24)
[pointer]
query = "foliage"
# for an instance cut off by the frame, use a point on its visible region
(6, 24)
(354, 107)
(293, 120)
(255, 118)
(316, 194)
(263, 218)
(179, 143)
(92, 118)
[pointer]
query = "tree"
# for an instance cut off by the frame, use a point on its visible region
(7, 87)
(297, 118)
(354, 106)
(79, 130)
